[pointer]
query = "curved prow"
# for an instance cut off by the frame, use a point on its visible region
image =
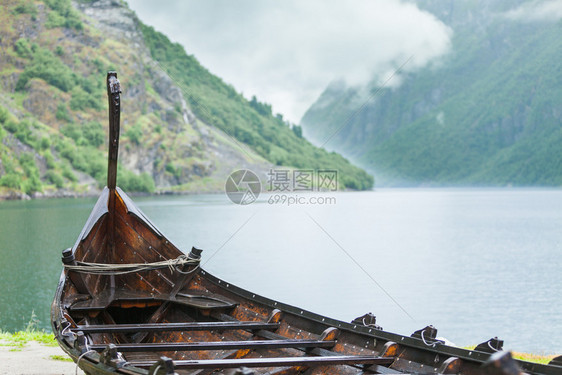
(114, 97)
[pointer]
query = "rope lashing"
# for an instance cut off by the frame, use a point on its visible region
(119, 269)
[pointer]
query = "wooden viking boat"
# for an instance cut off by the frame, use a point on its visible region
(130, 302)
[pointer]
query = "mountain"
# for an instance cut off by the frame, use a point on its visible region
(182, 128)
(488, 113)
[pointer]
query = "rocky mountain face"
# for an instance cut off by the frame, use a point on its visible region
(487, 113)
(199, 149)
(54, 56)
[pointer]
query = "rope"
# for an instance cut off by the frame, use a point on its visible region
(120, 269)
(432, 344)
(491, 347)
(79, 358)
(65, 329)
(155, 372)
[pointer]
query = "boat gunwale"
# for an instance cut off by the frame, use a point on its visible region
(452, 351)
(464, 354)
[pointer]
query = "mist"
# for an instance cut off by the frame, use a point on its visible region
(549, 10)
(286, 53)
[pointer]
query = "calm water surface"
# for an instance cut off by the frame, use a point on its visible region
(474, 263)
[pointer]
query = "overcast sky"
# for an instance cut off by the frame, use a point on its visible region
(287, 52)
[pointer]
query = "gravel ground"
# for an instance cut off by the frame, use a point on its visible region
(34, 358)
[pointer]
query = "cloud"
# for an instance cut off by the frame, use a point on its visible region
(550, 10)
(287, 52)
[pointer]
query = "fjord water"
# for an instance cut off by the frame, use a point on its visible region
(475, 263)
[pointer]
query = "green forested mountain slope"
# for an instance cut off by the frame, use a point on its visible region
(489, 113)
(250, 122)
(182, 128)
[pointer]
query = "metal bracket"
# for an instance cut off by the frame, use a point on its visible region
(111, 357)
(490, 346)
(428, 335)
(80, 342)
(164, 366)
(368, 320)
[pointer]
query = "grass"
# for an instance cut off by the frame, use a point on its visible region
(527, 357)
(18, 340)
(535, 358)
(21, 338)
(56, 357)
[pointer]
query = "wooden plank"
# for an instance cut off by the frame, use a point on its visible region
(158, 327)
(275, 362)
(132, 248)
(318, 351)
(217, 345)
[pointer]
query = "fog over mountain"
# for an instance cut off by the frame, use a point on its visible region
(287, 52)
(488, 113)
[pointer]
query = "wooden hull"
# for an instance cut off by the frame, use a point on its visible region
(130, 323)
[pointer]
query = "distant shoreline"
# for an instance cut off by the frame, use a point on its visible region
(19, 196)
